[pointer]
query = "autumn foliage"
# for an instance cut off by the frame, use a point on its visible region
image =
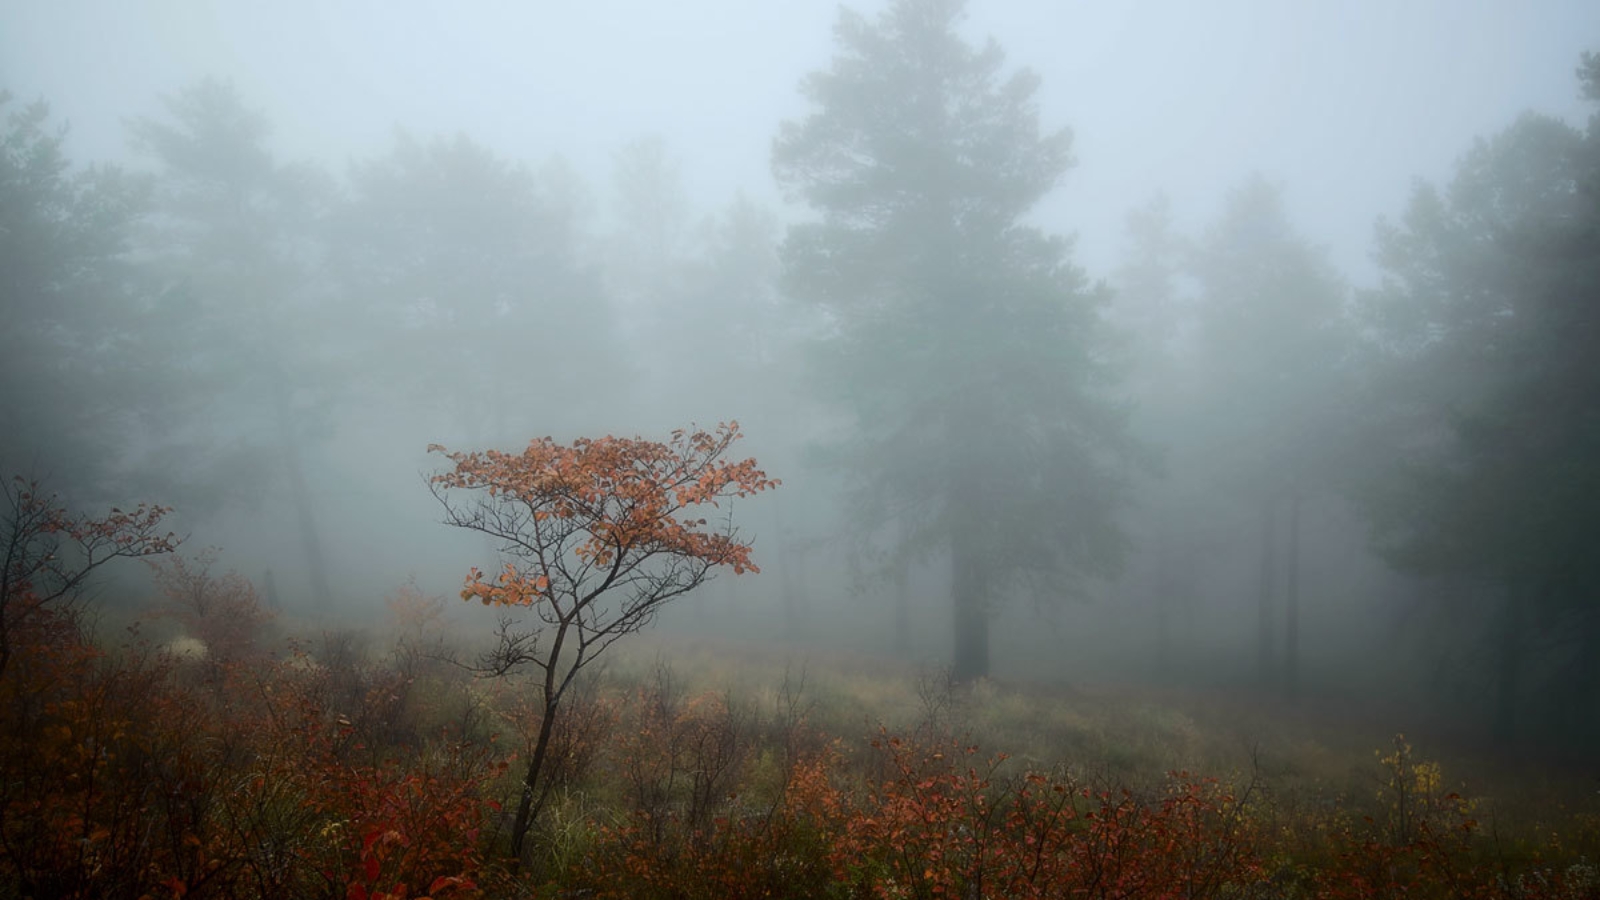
(598, 514)
(50, 554)
(597, 536)
(349, 774)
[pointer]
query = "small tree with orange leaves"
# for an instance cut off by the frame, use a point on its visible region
(595, 537)
(48, 555)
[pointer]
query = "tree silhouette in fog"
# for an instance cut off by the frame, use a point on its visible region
(965, 345)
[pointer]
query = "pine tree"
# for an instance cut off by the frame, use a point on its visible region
(964, 342)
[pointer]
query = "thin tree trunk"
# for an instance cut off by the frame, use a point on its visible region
(534, 785)
(530, 782)
(1264, 623)
(1291, 604)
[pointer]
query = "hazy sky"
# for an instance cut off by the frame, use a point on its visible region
(1343, 102)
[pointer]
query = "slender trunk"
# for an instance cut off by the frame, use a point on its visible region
(300, 496)
(1291, 603)
(1264, 623)
(533, 786)
(526, 810)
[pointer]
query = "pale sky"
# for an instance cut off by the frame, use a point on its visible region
(1342, 102)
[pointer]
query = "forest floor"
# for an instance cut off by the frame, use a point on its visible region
(364, 764)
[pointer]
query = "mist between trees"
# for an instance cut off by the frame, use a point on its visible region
(1222, 462)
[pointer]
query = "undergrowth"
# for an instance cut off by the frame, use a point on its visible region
(339, 767)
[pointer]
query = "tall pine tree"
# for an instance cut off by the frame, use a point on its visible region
(1487, 394)
(245, 317)
(963, 345)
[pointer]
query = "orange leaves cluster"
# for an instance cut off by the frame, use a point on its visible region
(39, 571)
(601, 505)
(509, 588)
(119, 533)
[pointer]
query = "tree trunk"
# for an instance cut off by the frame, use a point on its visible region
(530, 782)
(1291, 604)
(534, 790)
(300, 497)
(1264, 624)
(971, 613)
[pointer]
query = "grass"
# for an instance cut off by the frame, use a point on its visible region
(717, 768)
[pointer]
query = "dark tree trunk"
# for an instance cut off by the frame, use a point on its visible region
(536, 787)
(1264, 617)
(527, 810)
(1291, 603)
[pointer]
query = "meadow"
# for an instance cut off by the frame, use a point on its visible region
(202, 747)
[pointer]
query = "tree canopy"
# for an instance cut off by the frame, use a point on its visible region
(597, 537)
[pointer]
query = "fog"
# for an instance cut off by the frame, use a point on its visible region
(1345, 102)
(313, 239)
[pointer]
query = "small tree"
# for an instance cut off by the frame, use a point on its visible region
(222, 612)
(50, 554)
(596, 538)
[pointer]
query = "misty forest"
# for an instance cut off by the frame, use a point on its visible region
(824, 453)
